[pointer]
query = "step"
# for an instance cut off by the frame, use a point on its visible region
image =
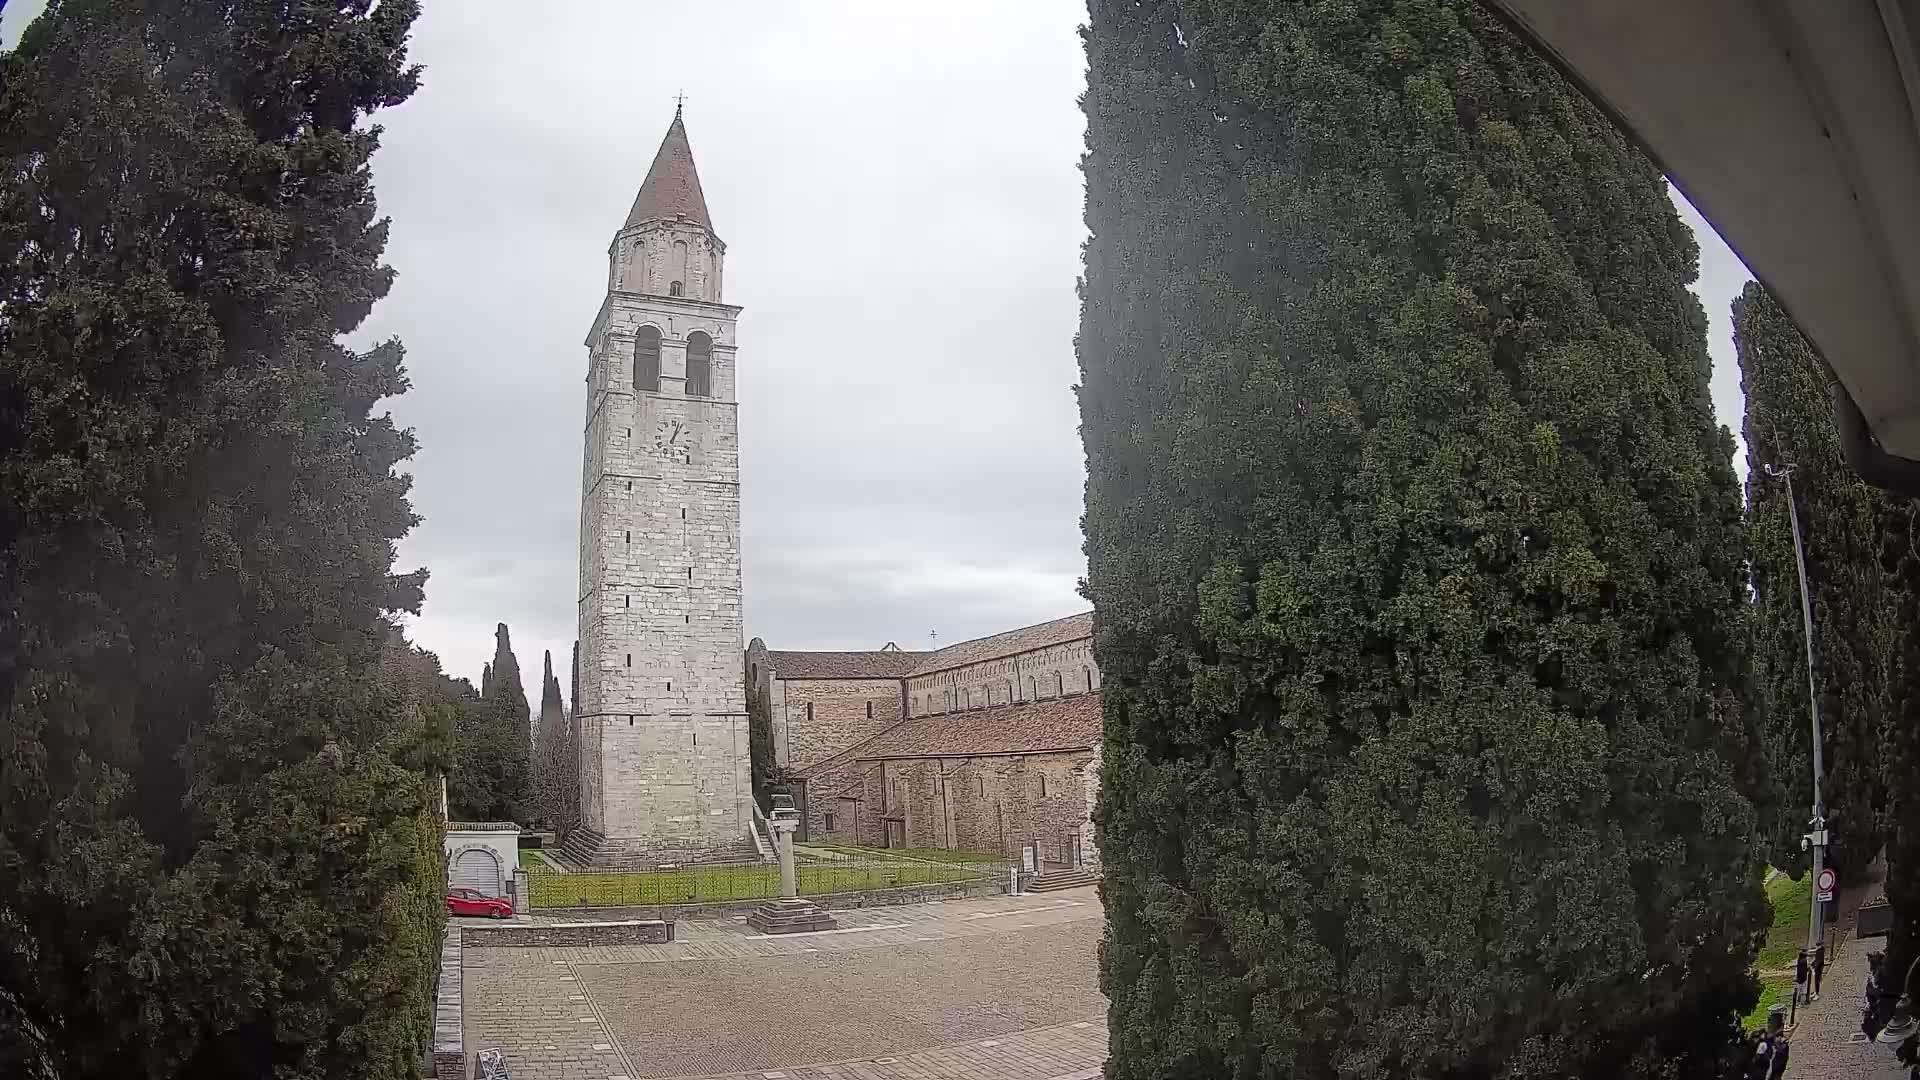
(792, 915)
(1055, 880)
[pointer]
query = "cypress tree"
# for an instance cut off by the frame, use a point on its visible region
(492, 775)
(509, 699)
(217, 856)
(1858, 632)
(1416, 557)
(550, 753)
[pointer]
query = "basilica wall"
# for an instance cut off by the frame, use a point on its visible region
(989, 803)
(1036, 675)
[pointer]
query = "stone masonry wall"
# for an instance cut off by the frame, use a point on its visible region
(818, 718)
(1030, 676)
(662, 716)
(993, 804)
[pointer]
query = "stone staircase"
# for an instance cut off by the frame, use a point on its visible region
(1055, 880)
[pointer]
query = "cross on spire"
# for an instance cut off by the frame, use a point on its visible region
(679, 99)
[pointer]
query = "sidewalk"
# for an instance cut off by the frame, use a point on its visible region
(1827, 1041)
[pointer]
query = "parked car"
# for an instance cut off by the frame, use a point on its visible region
(464, 901)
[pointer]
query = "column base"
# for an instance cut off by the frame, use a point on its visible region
(790, 915)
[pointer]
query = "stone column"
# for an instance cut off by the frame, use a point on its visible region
(783, 829)
(791, 913)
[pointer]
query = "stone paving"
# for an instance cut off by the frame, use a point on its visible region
(1001, 987)
(1827, 1043)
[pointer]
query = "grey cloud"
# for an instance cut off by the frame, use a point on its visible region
(898, 185)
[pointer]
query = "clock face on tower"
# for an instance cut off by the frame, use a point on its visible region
(670, 441)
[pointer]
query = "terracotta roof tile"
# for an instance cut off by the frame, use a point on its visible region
(1069, 723)
(1025, 639)
(673, 184)
(869, 664)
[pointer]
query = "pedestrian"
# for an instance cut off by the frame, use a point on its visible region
(1802, 990)
(1819, 967)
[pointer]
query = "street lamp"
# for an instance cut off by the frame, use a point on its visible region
(1815, 841)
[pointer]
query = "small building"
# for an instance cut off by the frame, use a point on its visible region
(997, 779)
(482, 855)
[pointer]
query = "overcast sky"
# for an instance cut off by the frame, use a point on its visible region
(898, 186)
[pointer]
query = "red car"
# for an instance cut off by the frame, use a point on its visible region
(465, 901)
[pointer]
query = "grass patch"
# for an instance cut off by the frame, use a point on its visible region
(1774, 990)
(708, 884)
(531, 860)
(1792, 902)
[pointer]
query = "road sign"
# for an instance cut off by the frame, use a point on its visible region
(1823, 887)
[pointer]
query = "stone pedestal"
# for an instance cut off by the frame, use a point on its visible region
(792, 913)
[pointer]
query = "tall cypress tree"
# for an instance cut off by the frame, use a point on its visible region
(492, 775)
(509, 698)
(1858, 631)
(217, 856)
(1416, 557)
(550, 787)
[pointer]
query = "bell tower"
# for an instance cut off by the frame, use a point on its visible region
(662, 716)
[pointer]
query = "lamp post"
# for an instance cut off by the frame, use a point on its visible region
(1816, 840)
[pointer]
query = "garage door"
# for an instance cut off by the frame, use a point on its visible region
(478, 868)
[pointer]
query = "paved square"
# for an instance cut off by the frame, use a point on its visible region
(1004, 988)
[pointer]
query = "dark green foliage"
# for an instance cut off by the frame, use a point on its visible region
(760, 757)
(1857, 628)
(217, 856)
(491, 779)
(1901, 761)
(1417, 562)
(556, 777)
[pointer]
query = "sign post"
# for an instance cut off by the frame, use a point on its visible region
(1823, 885)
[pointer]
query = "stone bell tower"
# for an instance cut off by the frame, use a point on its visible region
(662, 715)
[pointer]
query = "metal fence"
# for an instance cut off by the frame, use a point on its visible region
(743, 881)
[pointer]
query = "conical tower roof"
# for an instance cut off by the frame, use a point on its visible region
(673, 184)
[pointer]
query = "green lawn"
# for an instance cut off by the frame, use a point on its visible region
(531, 860)
(1785, 937)
(716, 883)
(1791, 902)
(1775, 990)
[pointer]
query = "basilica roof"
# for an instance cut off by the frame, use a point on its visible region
(672, 186)
(1025, 639)
(1032, 727)
(865, 664)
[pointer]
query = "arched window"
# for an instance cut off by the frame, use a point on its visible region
(1059, 684)
(674, 289)
(1030, 688)
(699, 365)
(646, 360)
(1087, 674)
(677, 269)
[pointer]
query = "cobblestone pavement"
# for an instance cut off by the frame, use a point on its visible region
(1827, 1043)
(1000, 988)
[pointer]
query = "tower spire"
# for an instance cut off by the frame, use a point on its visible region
(672, 186)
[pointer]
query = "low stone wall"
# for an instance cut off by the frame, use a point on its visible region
(449, 1038)
(993, 884)
(521, 935)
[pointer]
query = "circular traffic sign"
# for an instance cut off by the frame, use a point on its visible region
(1827, 879)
